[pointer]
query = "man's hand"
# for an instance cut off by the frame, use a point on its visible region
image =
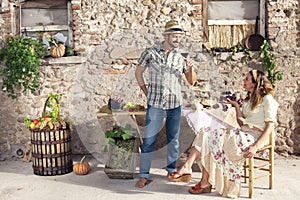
(191, 75)
(189, 63)
(144, 89)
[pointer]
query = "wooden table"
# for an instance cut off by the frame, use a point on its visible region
(121, 113)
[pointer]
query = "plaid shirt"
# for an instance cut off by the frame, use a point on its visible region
(165, 76)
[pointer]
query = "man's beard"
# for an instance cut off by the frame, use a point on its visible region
(173, 44)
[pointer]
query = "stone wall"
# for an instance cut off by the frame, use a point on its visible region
(110, 35)
(284, 33)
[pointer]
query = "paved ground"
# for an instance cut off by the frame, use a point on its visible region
(19, 182)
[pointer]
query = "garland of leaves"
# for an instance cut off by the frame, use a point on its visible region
(269, 63)
(268, 59)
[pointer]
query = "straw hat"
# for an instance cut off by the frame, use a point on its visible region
(172, 26)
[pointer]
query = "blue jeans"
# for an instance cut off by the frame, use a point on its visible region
(154, 119)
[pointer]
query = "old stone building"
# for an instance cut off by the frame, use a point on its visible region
(108, 37)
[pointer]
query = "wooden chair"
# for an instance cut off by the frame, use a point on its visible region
(265, 164)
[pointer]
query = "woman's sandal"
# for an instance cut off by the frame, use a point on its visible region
(197, 189)
(142, 182)
(177, 177)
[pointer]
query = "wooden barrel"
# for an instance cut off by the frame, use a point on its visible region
(51, 152)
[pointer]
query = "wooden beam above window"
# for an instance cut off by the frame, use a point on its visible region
(43, 4)
(230, 22)
(45, 28)
(232, 0)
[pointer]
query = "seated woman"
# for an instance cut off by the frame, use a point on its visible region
(221, 152)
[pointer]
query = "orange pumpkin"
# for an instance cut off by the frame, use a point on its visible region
(82, 167)
(57, 51)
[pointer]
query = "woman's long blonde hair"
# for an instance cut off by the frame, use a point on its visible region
(262, 87)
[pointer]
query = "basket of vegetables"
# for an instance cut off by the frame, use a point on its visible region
(51, 140)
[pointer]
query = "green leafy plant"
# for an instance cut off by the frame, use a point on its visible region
(53, 104)
(51, 40)
(120, 136)
(239, 48)
(269, 62)
(233, 50)
(21, 71)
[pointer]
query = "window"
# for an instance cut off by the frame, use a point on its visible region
(39, 16)
(227, 23)
(3, 5)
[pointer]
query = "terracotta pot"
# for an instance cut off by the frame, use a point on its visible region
(254, 41)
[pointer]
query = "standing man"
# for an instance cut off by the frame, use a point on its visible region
(166, 67)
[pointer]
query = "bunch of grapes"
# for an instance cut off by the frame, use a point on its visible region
(230, 96)
(224, 107)
(240, 102)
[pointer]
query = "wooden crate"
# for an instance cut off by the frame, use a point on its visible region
(121, 163)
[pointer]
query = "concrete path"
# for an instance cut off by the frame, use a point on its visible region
(19, 182)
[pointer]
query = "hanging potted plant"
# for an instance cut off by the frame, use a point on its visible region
(21, 70)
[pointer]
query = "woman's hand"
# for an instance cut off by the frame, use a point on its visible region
(250, 151)
(233, 103)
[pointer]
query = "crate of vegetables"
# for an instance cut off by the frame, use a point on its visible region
(121, 161)
(51, 140)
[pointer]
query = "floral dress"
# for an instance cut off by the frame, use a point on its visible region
(222, 146)
(222, 154)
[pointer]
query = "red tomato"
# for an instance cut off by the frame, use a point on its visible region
(35, 121)
(47, 118)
